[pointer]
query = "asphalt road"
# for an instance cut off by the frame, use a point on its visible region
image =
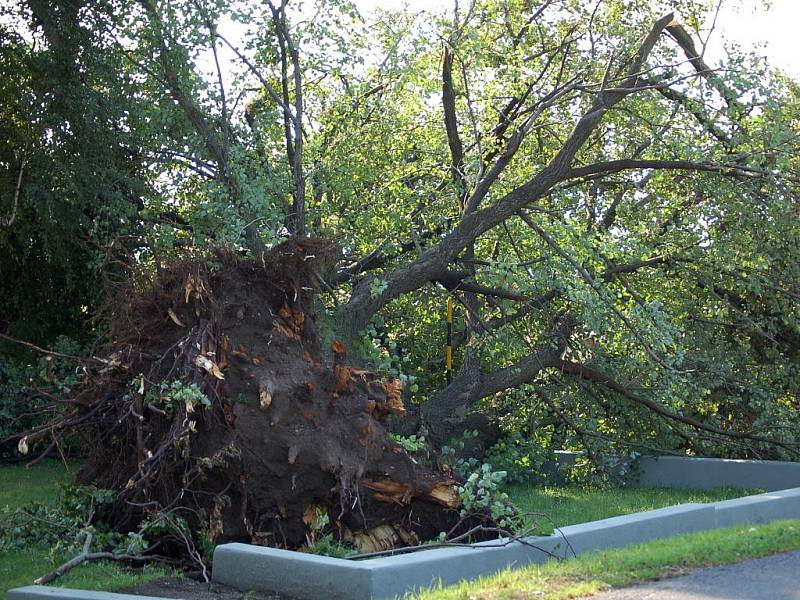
(772, 578)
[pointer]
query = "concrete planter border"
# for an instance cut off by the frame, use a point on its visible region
(709, 473)
(300, 575)
(308, 576)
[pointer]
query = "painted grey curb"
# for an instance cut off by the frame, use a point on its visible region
(248, 567)
(393, 576)
(637, 528)
(309, 577)
(44, 592)
(709, 473)
(762, 508)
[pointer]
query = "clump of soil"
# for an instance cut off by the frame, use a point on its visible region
(292, 435)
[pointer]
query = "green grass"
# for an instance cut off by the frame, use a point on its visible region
(570, 505)
(20, 487)
(591, 573)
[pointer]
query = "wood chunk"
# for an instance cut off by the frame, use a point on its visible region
(389, 491)
(394, 397)
(380, 538)
(445, 493)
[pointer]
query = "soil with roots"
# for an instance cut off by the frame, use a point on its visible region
(288, 440)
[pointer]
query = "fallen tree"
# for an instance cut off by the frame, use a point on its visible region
(219, 404)
(594, 220)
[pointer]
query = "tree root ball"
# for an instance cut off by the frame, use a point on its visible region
(220, 405)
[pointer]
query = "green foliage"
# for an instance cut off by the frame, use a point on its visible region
(482, 492)
(62, 528)
(520, 457)
(377, 348)
(28, 383)
(175, 395)
(411, 443)
(453, 455)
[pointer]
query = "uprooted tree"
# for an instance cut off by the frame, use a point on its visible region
(615, 218)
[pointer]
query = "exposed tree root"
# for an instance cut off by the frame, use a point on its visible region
(285, 431)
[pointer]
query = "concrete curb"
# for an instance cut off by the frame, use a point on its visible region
(308, 576)
(709, 473)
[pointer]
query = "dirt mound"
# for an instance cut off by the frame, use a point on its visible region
(221, 405)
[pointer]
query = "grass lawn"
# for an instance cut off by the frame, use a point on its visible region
(570, 505)
(19, 487)
(591, 573)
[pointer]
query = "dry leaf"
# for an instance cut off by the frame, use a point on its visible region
(310, 513)
(188, 289)
(265, 398)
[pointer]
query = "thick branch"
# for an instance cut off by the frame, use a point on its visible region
(445, 414)
(456, 281)
(202, 125)
(694, 107)
(86, 556)
(9, 221)
(615, 166)
(451, 125)
(527, 368)
(684, 39)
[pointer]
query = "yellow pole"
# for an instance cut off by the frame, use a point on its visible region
(449, 348)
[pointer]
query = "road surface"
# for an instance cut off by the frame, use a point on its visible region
(772, 578)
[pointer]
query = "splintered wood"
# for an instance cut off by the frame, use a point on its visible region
(381, 538)
(386, 490)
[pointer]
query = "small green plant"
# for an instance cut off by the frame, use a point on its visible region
(174, 395)
(377, 286)
(411, 443)
(326, 545)
(319, 542)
